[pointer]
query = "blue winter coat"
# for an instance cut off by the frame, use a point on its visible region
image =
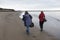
(27, 20)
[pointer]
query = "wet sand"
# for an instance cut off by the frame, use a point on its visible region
(12, 28)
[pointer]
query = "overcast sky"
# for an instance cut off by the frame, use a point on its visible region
(30, 4)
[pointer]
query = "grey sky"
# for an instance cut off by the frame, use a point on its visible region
(30, 4)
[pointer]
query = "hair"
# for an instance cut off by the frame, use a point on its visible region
(26, 12)
(42, 12)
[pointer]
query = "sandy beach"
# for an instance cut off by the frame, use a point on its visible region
(12, 28)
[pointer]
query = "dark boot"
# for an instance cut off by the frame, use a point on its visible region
(41, 29)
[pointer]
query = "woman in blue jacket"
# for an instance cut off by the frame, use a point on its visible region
(27, 18)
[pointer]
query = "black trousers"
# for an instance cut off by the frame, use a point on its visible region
(41, 25)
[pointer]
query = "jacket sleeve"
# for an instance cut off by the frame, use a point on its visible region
(30, 16)
(44, 15)
(23, 18)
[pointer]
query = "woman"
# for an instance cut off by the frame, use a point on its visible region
(27, 18)
(41, 20)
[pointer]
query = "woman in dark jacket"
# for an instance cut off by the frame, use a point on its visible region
(27, 18)
(41, 20)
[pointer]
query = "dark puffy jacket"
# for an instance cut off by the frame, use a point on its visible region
(27, 19)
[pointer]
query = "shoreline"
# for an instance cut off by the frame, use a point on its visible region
(12, 28)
